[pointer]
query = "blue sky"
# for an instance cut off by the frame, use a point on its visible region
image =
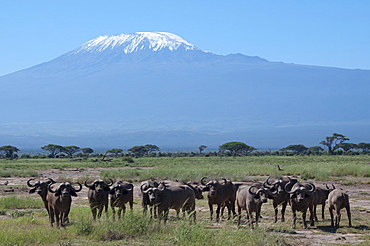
(325, 33)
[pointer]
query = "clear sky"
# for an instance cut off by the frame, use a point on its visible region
(312, 32)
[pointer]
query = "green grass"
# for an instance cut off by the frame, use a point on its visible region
(24, 220)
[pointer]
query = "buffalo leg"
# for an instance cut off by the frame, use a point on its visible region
(218, 212)
(210, 210)
(349, 215)
(294, 218)
(337, 218)
(284, 204)
(331, 216)
(322, 211)
(239, 214)
(276, 210)
(312, 215)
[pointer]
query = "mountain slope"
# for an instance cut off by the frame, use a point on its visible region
(158, 82)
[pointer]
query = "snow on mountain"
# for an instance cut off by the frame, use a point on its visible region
(130, 43)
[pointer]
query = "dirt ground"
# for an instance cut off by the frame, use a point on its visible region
(320, 234)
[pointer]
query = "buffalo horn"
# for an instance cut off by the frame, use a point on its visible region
(225, 181)
(311, 187)
(51, 181)
(201, 180)
(29, 184)
(142, 189)
(51, 190)
(111, 182)
(250, 190)
(80, 187)
(266, 184)
(86, 184)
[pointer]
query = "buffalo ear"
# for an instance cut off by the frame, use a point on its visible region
(106, 188)
(73, 193)
(32, 190)
(111, 191)
(58, 193)
(205, 188)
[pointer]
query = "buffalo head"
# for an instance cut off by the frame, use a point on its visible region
(65, 189)
(99, 185)
(121, 188)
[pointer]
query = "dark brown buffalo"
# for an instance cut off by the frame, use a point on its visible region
(251, 198)
(167, 197)
(98, 196)
(41, 188)
(145, 201)
(278, 196)
(220, 194)
(120, 194)
(337, 200)
(320, 195)
(59, 201)
(301, 199)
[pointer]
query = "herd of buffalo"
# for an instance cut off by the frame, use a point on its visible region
(161, 196)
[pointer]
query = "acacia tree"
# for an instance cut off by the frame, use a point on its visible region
(87, 151)
(54, 149)
(332, 142)
(138, 150)
(151, 148)
(315, 149)
(364, 146)
(114, 151)
(237, 148)
(9, 150)
(296, 148)
(201, 148)
(70, 150)
(347, 146)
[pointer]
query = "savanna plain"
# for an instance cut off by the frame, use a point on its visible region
(24, 220)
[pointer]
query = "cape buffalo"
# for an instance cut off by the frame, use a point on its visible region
(320, 195)
(301, 199)
(41, 188)
(175, 197)
(145, 201)
(251, 198)
(220, 194)
(59, 201)
(337, 200)
(98, 196)
(278, 196)
(120, 194)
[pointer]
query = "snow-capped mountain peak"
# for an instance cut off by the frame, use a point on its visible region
(132, 42)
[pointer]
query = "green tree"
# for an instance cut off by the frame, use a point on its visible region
(296, 148)
(237, 148)
(9, 150)
(315, 150)
(332, 142)
(87, 151)
(138, 150)
(70, 150)
(151, 148)
(365, 147)
(347, 146)
(114, 151)
(54, 149)
(202, 148)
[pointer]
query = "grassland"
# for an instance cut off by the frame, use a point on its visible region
(23, 219)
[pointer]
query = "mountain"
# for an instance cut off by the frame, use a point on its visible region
(155, 87)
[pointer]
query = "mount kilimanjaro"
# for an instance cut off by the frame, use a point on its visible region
(155, 87)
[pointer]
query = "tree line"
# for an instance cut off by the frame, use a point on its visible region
(336, 145)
